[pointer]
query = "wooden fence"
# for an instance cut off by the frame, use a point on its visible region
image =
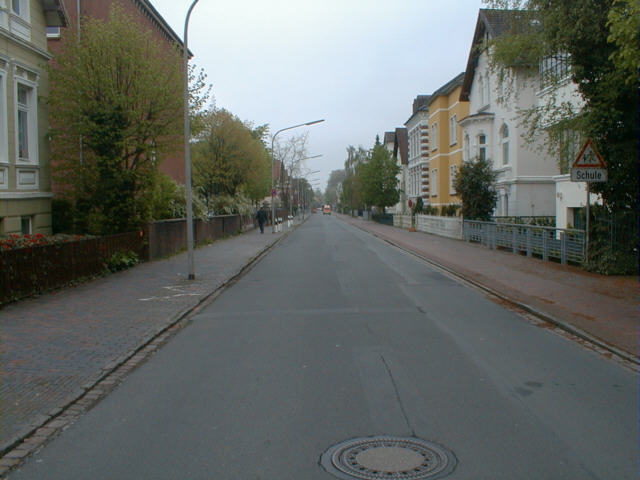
(31, 270)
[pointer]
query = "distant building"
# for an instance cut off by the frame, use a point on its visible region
(492, 130)
(25, 174)
(445, 112)
(400, 153)
(417, 125)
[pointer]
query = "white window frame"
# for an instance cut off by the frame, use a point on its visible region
(482, 146)
(32, 122)
(554, 69)
(434, 136)
(434, 182)
(53, 32)
(4, 125)
(467, 148)
(504, 140)
(23, 9)
(453, 130)
(453, 173)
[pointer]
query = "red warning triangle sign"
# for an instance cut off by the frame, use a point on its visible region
(589, 157)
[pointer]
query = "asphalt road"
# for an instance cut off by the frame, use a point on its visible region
(336, 335)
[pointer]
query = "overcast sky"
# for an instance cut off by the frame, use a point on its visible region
(358, 64)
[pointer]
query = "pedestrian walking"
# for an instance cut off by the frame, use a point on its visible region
(261, 216)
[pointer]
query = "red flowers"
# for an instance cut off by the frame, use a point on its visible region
(15, 240)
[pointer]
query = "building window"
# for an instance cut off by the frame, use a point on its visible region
(53, 32)
(434, 136)
(20, 8)
(568, 151)
(554, 69)
(453, 172)
(504, 139)
(434, 182)
(23, 122)
(467, 148)
(26, 224)
(26, 123)
(481, 90)
(4, 142)
(453, 130)
(482, 147)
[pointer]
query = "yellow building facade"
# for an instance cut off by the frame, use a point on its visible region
(445, 112)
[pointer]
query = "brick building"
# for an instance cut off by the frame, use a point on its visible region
(148, 17)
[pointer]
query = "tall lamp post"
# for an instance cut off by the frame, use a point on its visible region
(187, 146)
(273, 190)
(304, 197)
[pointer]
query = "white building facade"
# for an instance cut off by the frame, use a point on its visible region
(418, 150)
(525, 171)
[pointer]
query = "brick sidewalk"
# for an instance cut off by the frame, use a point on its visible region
(603, 307)
(51, 346)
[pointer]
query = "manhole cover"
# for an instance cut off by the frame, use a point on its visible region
(374, 458)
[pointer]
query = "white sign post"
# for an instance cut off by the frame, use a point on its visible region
(588, 167)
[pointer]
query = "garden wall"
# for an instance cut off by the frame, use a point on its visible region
(35, 269)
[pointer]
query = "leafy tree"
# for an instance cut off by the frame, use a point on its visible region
(351, 196)
(336, 177)
(474, 184)
(119, 91)
(199, 96)
(229, 158)
(378, 178)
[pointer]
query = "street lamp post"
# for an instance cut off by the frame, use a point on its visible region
(304, 197)
(187, 147)
(294, 164)
(273, 190)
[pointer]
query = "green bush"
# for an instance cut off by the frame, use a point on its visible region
(122, 261)
(613, 242)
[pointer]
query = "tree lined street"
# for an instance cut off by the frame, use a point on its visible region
(335, 335)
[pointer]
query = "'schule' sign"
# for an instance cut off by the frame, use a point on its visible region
(589, 165)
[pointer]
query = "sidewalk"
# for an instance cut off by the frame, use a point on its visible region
(604, 308)
(54, 346)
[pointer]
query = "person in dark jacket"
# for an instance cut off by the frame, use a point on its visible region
(261, 216)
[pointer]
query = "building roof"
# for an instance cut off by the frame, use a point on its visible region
(448, 87)
(389, 137)
(491, 23)
(401, 145)
(160, 21)
(420, 104)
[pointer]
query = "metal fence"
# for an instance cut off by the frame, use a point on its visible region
(545, 242)
(384, 218)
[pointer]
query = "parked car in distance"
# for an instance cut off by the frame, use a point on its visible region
(326, 210)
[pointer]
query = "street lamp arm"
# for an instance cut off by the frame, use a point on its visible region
(296, 126)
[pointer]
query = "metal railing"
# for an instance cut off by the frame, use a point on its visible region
(565, 245)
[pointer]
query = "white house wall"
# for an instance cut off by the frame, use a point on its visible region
(569, 196)
(527, 178)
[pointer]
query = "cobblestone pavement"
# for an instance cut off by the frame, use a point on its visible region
(53, 345)
(604, 307)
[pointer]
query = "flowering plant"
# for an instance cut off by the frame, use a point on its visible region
(16, 240)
